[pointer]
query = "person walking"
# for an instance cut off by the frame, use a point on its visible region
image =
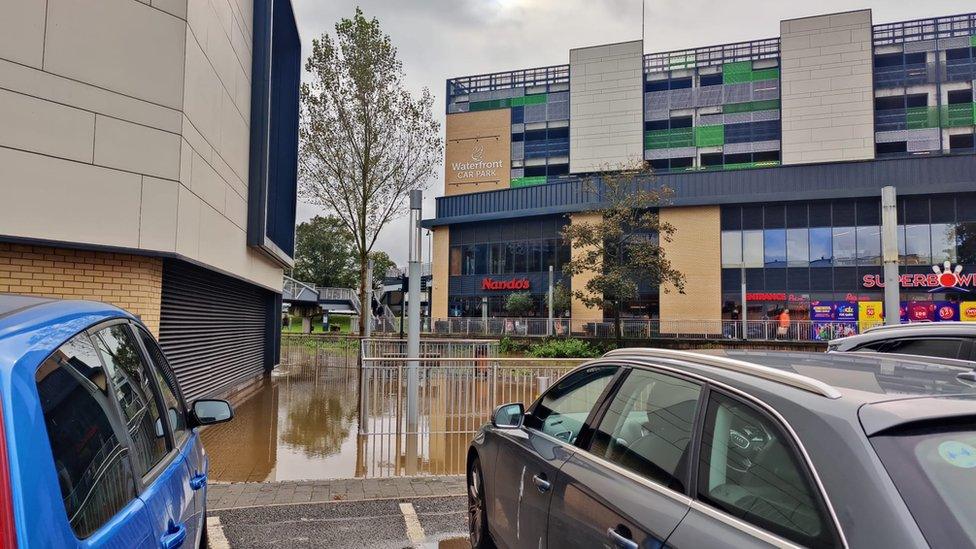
(784, 324)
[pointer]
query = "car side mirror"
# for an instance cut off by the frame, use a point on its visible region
(211, 411)
(508, 416)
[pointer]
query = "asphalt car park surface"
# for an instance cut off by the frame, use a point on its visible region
(384, 523)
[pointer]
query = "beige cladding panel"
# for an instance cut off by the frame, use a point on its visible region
(606, 106)
(827, 88)
(578, 310)
(478, 151)
(439, 272)
(695, 250)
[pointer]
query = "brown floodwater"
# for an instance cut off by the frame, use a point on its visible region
(301, 422)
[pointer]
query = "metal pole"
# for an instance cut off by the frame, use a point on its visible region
(549, 326)
(745, 324)
(367, 308)
(484, 313)
(413, 330)
(889, 255)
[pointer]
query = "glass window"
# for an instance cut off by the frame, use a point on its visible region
(774, 248)
(752, 248)
(943, 242)
(480, 259)
(932, 469)
(562, 411)
(731, 248)
(498, 258)
(166, 381)
(797, 247)
(966, 239)
(455, 261)
(869, 245)
(918, 249)
(91, 463)
(750, 470)
(821, 247)
(136, 397)
(648, 426)
(937, 347)
(845, 252)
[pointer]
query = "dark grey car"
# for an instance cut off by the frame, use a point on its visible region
(955, 340)
(651, 448)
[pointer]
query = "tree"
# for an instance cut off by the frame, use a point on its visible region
(365, 140)
(622, 247)
(519, 303)
(324, 253)
(562, 300)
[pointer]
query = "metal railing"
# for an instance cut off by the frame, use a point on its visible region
(456, 397)
(759, 330)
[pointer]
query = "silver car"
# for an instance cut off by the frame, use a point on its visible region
(653, 448)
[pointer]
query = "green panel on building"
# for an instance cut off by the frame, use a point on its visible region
(751, 106)
(919, 118)
(736, 73)
(669, 139)
(710, 136)
(960, 114)
(528, 181)
(972, 40)
(534, 99)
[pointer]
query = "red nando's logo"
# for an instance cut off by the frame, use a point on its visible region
(513, 284)
(941, 278)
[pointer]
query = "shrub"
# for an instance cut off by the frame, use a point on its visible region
(519, 303)
(509, 346)
(564, 348)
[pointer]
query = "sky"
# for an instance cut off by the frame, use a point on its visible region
(441, 39)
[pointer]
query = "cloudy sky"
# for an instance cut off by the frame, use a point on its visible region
(440, 39)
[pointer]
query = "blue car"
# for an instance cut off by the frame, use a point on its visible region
(97, 446)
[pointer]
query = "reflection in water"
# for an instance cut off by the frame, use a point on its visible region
(301, 423)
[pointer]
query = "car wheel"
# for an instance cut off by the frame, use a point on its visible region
(477, 514)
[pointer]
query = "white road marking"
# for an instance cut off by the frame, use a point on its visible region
(414, 530)
(215, 534)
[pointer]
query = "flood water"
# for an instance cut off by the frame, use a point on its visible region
(301, 422)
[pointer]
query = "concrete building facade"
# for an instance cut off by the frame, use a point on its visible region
(774, 150)
(136, 167)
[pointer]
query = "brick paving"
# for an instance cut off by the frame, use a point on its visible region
(256, 494)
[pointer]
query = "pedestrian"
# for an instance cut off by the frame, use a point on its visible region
(784, 324)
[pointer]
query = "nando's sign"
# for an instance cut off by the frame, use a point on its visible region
(512, 284)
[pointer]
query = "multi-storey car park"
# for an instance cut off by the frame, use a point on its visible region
(776, 151)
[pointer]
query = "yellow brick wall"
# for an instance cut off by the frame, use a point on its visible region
(578, 310)
(696, 251)
(440, 266)
(131, 282)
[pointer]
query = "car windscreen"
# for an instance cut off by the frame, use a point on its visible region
(934, 469)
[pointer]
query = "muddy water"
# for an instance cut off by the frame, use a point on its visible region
(300, 424)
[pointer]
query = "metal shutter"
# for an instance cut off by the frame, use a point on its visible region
(213, 328)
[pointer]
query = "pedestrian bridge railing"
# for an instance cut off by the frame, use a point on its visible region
(631, 328)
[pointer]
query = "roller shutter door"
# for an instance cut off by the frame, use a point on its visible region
(213, 328)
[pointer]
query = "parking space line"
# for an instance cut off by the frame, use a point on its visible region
(414, 530)
(215, 534)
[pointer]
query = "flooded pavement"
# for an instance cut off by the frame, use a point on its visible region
(299, 424)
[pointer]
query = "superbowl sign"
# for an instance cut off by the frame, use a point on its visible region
(941, 278)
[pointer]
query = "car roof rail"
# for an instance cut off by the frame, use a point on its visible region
(943, 325)
(792, 379)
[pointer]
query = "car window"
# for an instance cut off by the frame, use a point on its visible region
(749, 469)
(135, 395)
(648, 425)
(934, 469)
(90, 460)
(562, 411)
(166, 382)
(937, 347)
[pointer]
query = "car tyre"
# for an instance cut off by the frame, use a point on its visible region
(477, 513)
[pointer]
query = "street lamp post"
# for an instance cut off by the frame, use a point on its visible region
(413, 330)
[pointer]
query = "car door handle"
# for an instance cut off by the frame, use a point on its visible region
(198, 481)
(541, 483)
(620, 540)
(174, 536)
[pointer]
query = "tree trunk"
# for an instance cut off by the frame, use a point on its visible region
(618, 335)
(364, 307)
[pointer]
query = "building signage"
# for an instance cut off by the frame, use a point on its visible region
(513, 284)
(477, 169)
(967, 311)
(941, 278)
(774, 296)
